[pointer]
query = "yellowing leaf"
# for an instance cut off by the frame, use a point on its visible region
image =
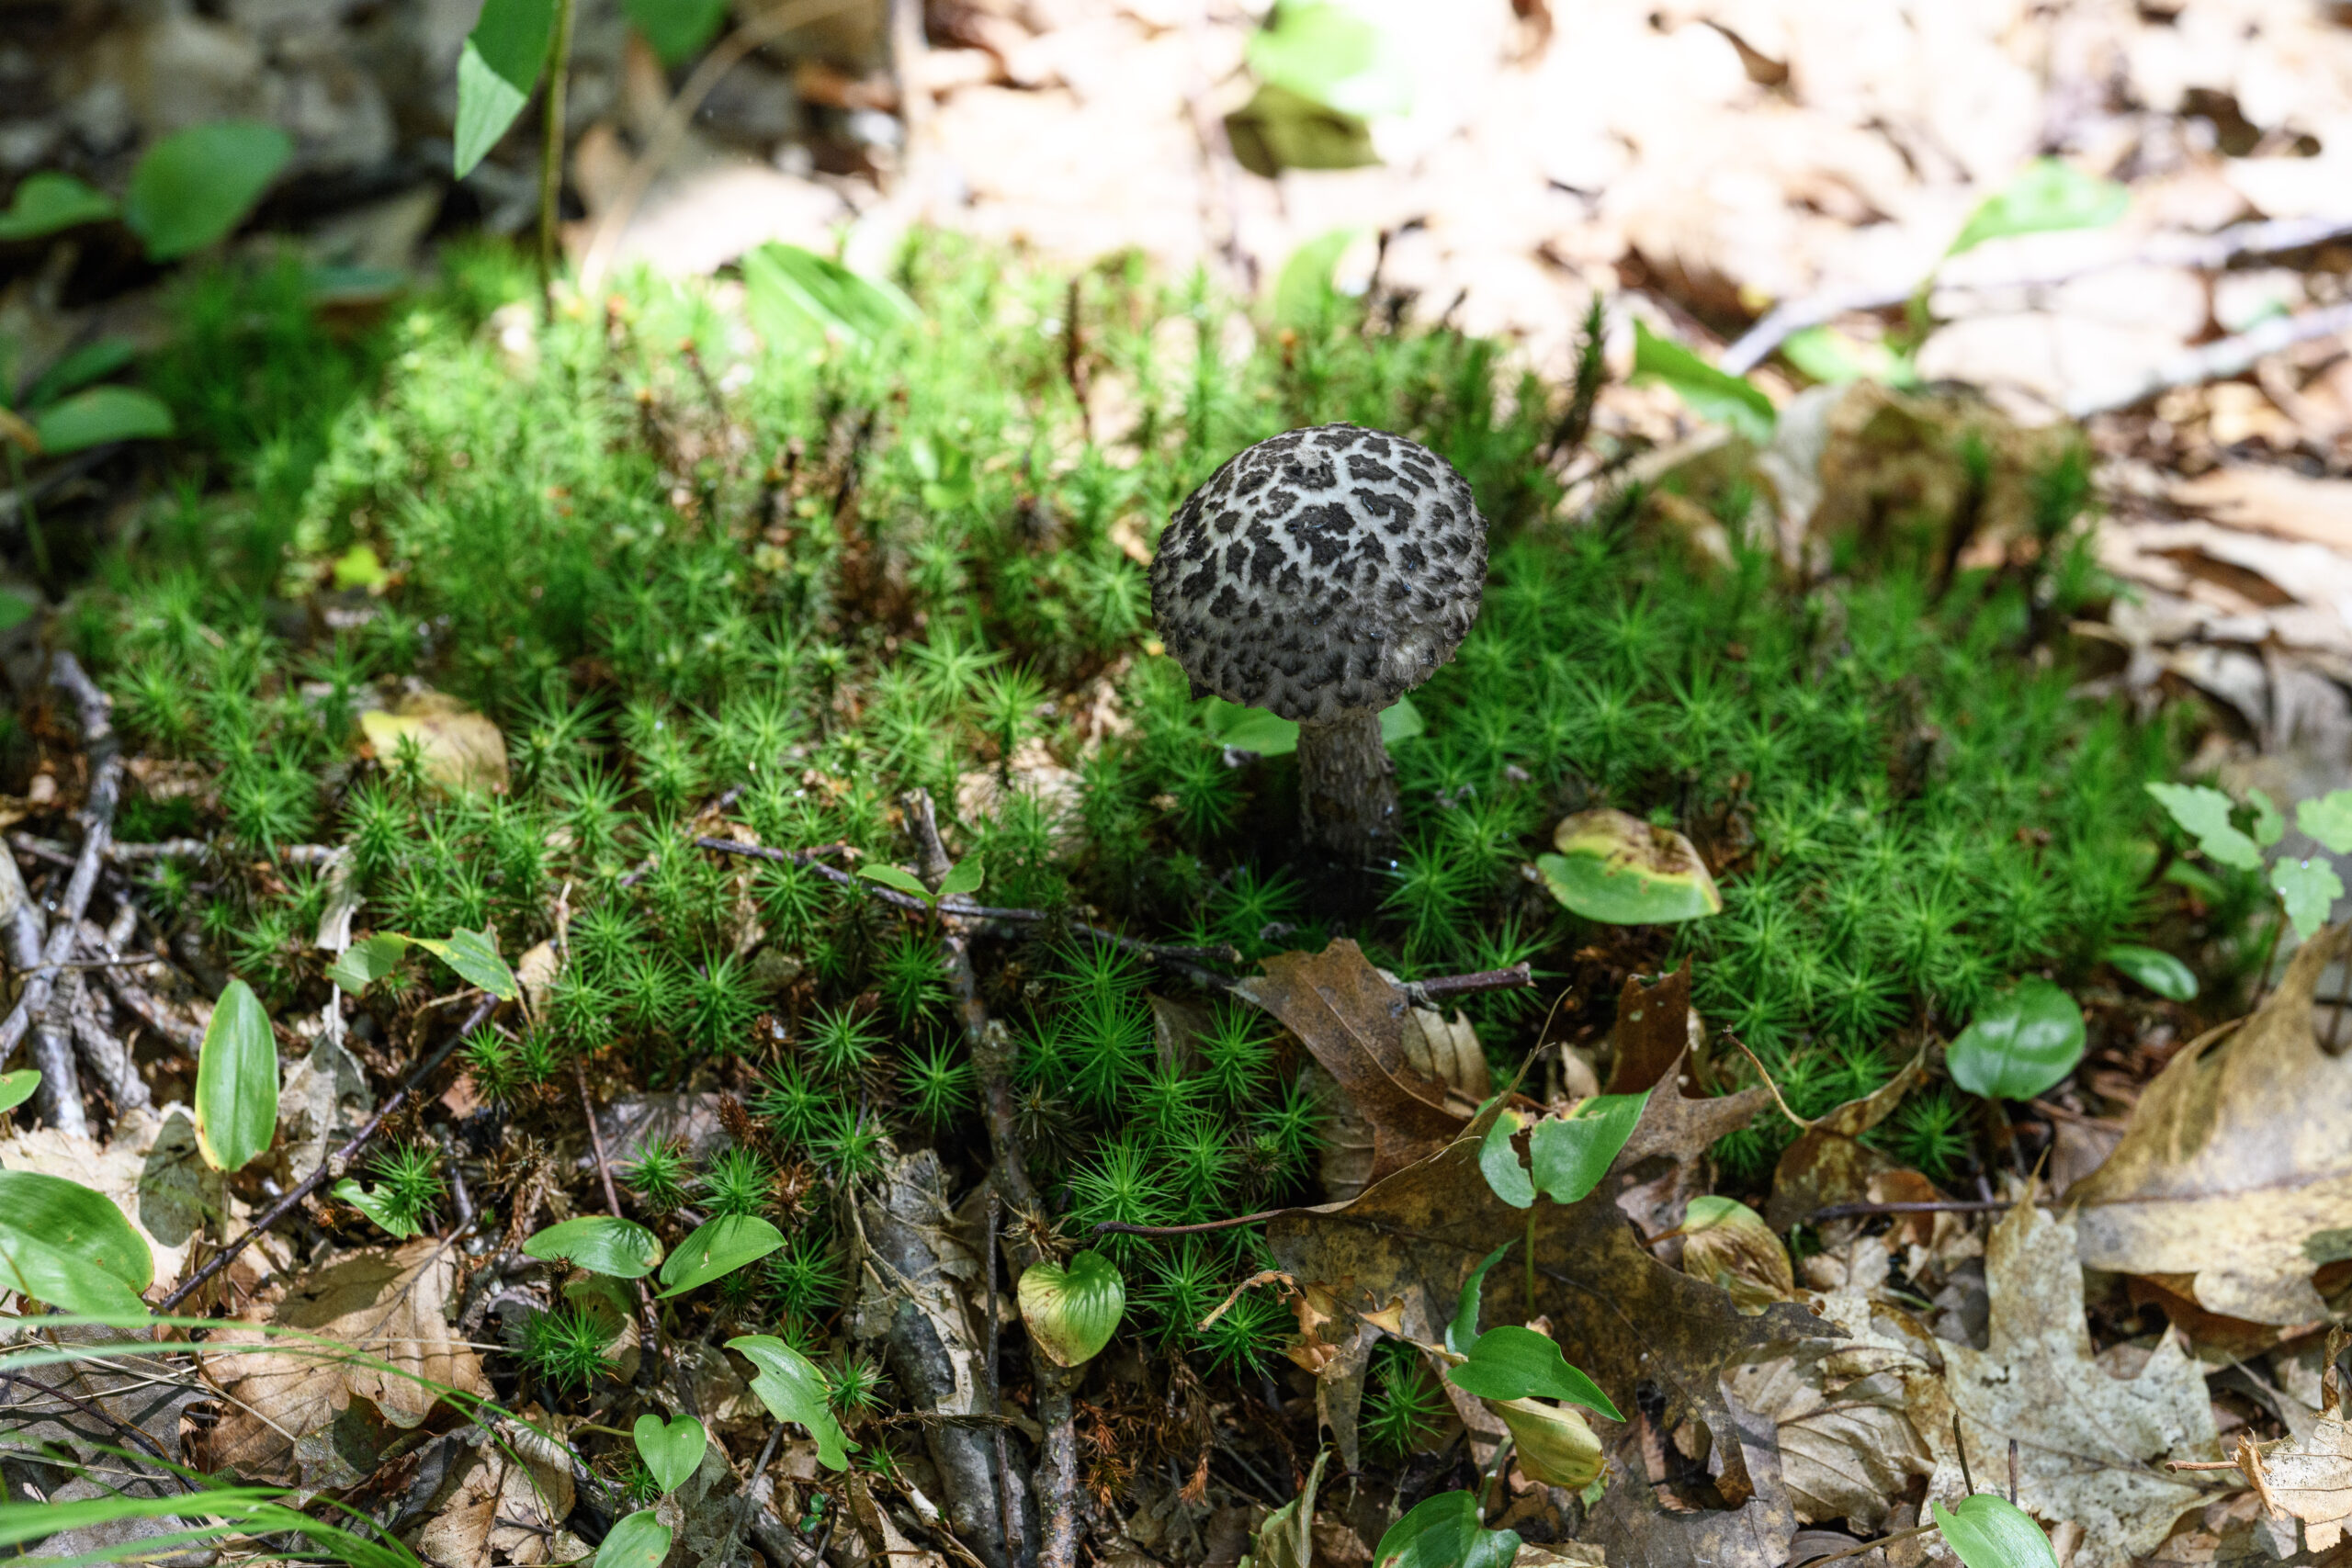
(1621, 871)
(462, 748)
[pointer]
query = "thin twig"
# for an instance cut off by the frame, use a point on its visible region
(2214, 361)
(1940, 1206)
(334, 1165)
(1865, 1546)
(648, 1330)
(1423, 993)
(1007, 1512)
(1120, 1227)
(96, 1413)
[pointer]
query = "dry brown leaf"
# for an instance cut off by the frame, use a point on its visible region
(2310, 1479)
(2274, 500)
(1829, 1163)
(462, 750)
(2235, 1166)
(384, 1311)
(2089, 1444)
(1652, 1031)
(1353, 1022)
(151, 1169)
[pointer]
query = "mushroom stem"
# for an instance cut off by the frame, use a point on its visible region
(1347, 789)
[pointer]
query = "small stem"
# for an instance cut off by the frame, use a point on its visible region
(552, 147)
(33, 536)
(1529, 1315)
(1870, 1545)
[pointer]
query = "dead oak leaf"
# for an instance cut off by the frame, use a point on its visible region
(2309, 1479)
(2234, 1167)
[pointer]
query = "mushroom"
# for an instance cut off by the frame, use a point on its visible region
(1324, 573)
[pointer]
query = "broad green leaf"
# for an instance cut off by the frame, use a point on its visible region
(15, 609)
(1287, 1539)
(49, 202)
(376, 1206)
(2328, 819)
(897, 879)
(1322, 50)
(2269, 822)
(503, 57)
(1400, 720)
(1498, 1161)
(1279, 130)
(796, 296)
(639, 1540)
(719, 1247)
(18, 1087)
(676, 28)
(99, 415)
(1302, 291)
(62, 1244)
(91, 362)
(1555, 1445)
(1511, 1362)
(2156, 969)
(600, 1244)
(1572, 1152)
(672, 1450)
(1621, 871)
(1713, 393)
(1989, 1531)
(1827, 355)
(236, 1082)
(195, 185)
(1444, 1532)
(2045, 195)
(2019, 1044)
(1463, 1331)
(474, 955)
(2311, 888)
(250, 1512)
(792, 1388)
(964, 878)
(2204, 814)
(363, 963)
(1072, 1310)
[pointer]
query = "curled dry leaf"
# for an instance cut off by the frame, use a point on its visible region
(462, 748)
(373, 1326)
(2089, 1444)
(1829, 1163)
(2308, 1479)
(2235, 1166)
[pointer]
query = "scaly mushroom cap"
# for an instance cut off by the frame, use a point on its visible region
(1323, 572)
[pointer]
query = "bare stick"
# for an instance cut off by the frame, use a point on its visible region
(334, 1165)
(1006, 1510)
(1940, 1206)
(1865, 1546)
(1421, 993)
(2212, 361)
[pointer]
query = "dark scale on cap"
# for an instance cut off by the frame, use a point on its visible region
(1362, 552)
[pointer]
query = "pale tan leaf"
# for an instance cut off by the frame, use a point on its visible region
(462, 750)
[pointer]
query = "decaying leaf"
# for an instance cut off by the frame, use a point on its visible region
(382, 1314)
(1617, 869)
(462, 748)
(2090, 1445)
(151, 1169)
(2309, 1479)
(1829, 1163)
(2235, 1160)
(1353, 1022)
(1652, 1032)
(500, 1510)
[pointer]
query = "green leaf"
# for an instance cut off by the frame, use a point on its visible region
(600, 1244)
(789, 1384)
(1713, 393)
(2045, 195)
(1498, 1161)
(1829, 356)
(236, 1082)
(796, 296)
(503, 57)
(1513, 1362)
(1279, 130)
(1443, 1531)
(91, 362)
(717, 1247)
(358, 567)
(2269, 822)
(1400, 720)
(195, 185)
(377, 1207)
(100, 414)
(672, 1450)
(2020, 1044)
(897, 879)
(18, 1087)
(2328, 819)
(2311, 888)
(363, 963)
(1324, 51)
(1463, 1332)
(62, 1244)
(1072, 1310)
(1287, 1539)
(2156, 969)
(676, 28)
(2204, 814)
(639, 1540)
(1621, 871)
(1989, 1531)
(474, 955)
(964, 878)
(49, 202)
(1303, 292)
(15, 609)
(1572, 1152)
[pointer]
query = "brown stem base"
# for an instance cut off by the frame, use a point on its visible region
(1347, 791)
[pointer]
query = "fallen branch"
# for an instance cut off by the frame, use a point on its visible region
(2215, 361)
(332, 1167)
